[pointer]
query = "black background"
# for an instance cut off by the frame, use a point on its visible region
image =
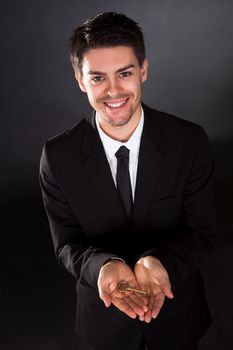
(190, 51)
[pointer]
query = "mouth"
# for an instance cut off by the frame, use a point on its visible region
(116, 104)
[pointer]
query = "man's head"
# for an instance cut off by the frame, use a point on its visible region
(108, 29)
(108, 56)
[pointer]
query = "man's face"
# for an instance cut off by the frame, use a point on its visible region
(112, 79)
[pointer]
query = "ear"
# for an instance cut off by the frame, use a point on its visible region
(79, 78)
(144, 70)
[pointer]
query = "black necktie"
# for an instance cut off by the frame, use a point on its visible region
(123, 180)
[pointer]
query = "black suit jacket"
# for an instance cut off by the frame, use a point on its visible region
(173, 219)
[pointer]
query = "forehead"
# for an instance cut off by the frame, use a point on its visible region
(108, 59)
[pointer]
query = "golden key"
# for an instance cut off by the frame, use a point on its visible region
(124, 286)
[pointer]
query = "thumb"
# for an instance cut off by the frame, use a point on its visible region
(104, 296)
(167, 290)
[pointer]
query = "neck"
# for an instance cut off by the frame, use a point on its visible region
(119, 135)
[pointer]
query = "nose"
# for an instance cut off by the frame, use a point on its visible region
(114, 88)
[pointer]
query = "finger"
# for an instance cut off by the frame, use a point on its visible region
(158, 303)
(141, 318)
(167, 290)
(123, 306)
(138, 309)
(140, 301)
(148, 314)
(105, 297)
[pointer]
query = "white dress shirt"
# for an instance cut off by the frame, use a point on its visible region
(111, 146)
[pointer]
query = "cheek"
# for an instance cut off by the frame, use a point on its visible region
(135, 88)
(91, 95)
(95, 93)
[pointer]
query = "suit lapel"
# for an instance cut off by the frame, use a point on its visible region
(99, 173)
(150, 163)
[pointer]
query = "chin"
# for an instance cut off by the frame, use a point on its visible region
(119, 122)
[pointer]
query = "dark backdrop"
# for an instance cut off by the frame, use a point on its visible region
(190, 50)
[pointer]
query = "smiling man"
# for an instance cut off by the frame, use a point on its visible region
(114, 88)
(129, 196)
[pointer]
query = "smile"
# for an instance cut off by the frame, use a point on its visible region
(116, 104)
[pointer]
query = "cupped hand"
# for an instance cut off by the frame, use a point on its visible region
(153, 278)
(111, 275)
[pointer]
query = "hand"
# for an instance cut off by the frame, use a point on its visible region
(153, 277)
(111, 274)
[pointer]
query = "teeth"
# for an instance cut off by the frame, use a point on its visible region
(117, 104)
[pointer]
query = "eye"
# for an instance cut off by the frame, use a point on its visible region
(97, 78)
(125, 74)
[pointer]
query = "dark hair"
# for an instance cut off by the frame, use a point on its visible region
(108, 29)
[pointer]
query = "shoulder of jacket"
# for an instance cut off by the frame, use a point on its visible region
(168, 121)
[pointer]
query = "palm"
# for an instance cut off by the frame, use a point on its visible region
(111, 275)
(147, 275)
(153, 278)
(150, 271)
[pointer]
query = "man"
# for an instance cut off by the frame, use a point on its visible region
(129, 197)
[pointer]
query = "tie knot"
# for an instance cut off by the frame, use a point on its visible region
(123, 152)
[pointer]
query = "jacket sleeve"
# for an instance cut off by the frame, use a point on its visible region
(187, 246)
(72, 248)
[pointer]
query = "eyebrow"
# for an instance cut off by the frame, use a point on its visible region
(93, 72)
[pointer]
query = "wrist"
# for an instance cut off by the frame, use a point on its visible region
(145, 259)
(113, 260)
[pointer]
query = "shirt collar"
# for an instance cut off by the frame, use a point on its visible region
(111, 146)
